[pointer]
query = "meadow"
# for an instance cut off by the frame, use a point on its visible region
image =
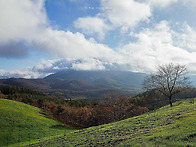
(25, 125)
(22, 124)
(167, 126)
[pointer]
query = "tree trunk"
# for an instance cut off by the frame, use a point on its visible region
(170, 101)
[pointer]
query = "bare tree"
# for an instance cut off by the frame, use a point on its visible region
(169, 79)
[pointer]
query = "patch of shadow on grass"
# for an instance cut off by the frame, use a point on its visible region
(190, 137)
(58, 127)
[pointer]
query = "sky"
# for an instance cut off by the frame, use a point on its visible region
(40, 37)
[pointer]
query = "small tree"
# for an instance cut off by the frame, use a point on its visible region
(169, 79)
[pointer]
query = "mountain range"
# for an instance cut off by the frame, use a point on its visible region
(85, 84)
(75, 84)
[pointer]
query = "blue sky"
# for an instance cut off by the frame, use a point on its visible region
(40, 37)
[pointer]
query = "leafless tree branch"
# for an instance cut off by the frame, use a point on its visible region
(168, 80)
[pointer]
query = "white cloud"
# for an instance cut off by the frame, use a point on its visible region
(157, 46)
(73, 45)
(161, 3)
(92, 26)
(27, 22)
(114, 14)
(89, 64)
(189, 3)
(25, 73)
(165, 3)
(125, 14)
(52, 66)
(21, 19)
(38, 71)
(186, 38)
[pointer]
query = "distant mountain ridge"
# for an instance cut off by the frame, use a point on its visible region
(123, 79)
(88, 84)
(83, 83)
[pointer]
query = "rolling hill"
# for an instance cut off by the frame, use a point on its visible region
(23, 124)
(167, 126)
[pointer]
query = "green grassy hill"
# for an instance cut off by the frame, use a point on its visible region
(22, 124)
(166, 126)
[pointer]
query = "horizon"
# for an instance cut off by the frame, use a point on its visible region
(41, 37)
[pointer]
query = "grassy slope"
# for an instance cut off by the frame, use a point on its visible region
(24, 123)
(167, 126)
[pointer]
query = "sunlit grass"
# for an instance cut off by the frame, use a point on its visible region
(167, 126)
(24, 123)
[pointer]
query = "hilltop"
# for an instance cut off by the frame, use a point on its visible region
(167, 126)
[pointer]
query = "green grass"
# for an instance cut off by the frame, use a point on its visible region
(22, 124)
(166, 126)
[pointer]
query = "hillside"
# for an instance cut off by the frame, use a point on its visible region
(23, 124)
(167, 126)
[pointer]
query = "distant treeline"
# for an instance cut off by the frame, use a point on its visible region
(31, 97)
(20, 90)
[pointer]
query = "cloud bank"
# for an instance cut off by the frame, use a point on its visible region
(25, 26)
